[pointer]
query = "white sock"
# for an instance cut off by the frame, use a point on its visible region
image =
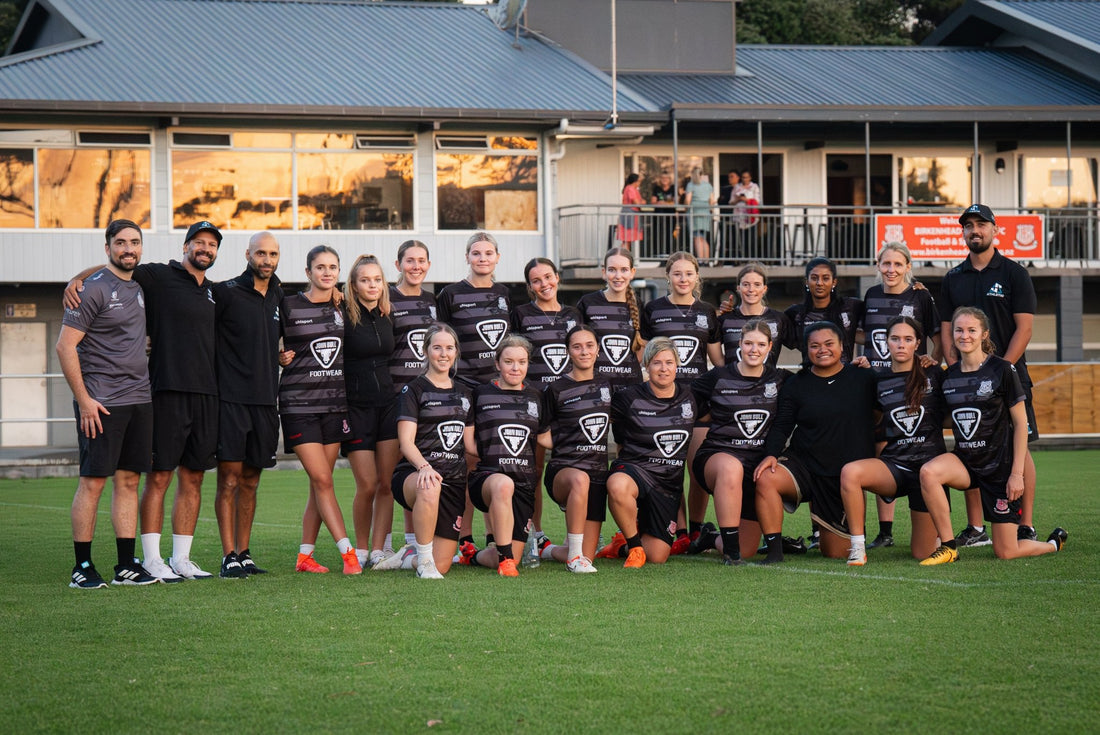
(1053, 543)
(539, 535)
(979, 529)
(181, 546)
(410, 538)
(576, 544)
(344, 545)
(424, 553)
(306, 549)
(859, 541)
(150, 546)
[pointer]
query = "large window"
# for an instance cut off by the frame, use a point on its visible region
(235, 190)
(1048, 183)
(938, 181)
(487, 182)
(650, 166)
(352, 191)
(16, 187)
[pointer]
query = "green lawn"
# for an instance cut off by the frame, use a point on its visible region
(692, 646)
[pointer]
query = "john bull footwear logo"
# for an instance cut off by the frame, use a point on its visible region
(685, 347)
(751, 421)
(594, 426)
(492, 331)
(878, 339)
(325, 350)
(556, 357)
(616, 347)
(450, 434)
(514, 437)
(416, 342)
(967, 421)
(906, 420)
(670, 442)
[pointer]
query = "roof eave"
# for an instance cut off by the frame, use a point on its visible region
(855, 113)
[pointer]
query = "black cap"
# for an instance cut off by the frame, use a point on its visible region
(981, 211)
(203, 226)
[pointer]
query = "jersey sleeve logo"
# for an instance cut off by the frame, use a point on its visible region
(906, 420)
(878, 339)
(325, 350)
(685, 347)
(594, 426)
(492, 331)
(556, 357)
(616, 346)
(670, 442)
(450, 434)
(967, 421)
(416, 342)
(514, 437)
(751, 421)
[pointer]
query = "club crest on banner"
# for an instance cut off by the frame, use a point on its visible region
(1025, 237)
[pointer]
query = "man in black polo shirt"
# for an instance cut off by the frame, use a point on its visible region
(180, 319)
(247, 361)
(1002, 289)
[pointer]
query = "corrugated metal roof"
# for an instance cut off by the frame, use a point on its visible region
(904, 77)
(321, 54)
(1076, 18)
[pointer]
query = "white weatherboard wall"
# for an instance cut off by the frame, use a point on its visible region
(23, 352)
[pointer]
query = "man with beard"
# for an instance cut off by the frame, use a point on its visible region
(1002, 289)
(180, 320)
(247, 359)
(102, 353)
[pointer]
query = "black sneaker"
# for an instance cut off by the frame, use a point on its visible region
(970, 536)
(85, 577)
(1026, 533)
(1058, 537)
(249, 566)
(231, 567)
(733, 561)
(882, 540)
(708, 535)
(815, 540)
(133, 574)
(790, 546)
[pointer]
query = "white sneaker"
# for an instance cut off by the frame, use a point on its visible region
(428, 570)
(161, 571)
(188, 569)
(581, 565)
(376, 556)
(396, 561)
(857, 557)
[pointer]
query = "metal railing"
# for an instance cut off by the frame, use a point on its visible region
(783, 235)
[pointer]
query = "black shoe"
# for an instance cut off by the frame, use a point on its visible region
(1058, 537)
(815, 541)
(790, 546)
(882, 540)
(249, 566)
(733, 561)
(768, 561)
(85, 577)
(1026, 533)
(133, 574)
(970, 536)
(231, 567)
(708, 535)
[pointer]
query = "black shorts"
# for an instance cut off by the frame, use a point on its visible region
(248, 434)
(748, 485)
(370, 425)
(597, 491)
(452, 504)
(324, 428)
(523, 503)
(822, 492)
(907, 482)
(656, 509)
(996, 507)
(185, 431)
(1032, 426)
(126, 442)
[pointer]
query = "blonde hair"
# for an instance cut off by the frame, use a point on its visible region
(679, 255)
(480, 236)
(903, 251)
(351, 297)
(656, 346)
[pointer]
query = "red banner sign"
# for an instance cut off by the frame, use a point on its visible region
(939, 236)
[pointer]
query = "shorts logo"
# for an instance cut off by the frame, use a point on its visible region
(416, 342)
(1001, 506)
(751, 421)
(594, 425)
(457, 525)
(771, 390)
(967, 421)
(605, 394)
(491, 331)
(325, 350)
(345, 427)
(878, 339)
(986, 388)
(672, 528)
(685, 347)
(701, 321)
(450, 434)
(616, 346)
(556, 357)
(907, 420)
(514, 437)
(670, 442)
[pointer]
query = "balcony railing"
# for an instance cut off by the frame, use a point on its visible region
(789, 234)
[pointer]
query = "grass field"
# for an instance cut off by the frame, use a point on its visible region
(692, 646)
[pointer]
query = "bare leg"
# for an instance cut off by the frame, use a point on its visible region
(225, 503)
(86, 506)
(185, 509)
(124, 504)
(365, 472)
(152, 500)
(386, 455)
(1007, 546)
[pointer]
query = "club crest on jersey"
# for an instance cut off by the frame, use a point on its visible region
(533, 409)
(907, 420)
(514, 437)
(325, 350)
(416, 342)
(670, 442)
(465, 403)
(616, 346)
(771, 390)
(502, 304)
(569, 324)
(450, 434)
(594, 425)
(605, 394)
(751, 421)
(431, 311)
(846, 319)
(986, 388)
(686, 412)
(491, 331)
(907, 310)
(701, 321)
(967, 421)
(685, 347)
(774, 327)
(878, 339)
(556, 357)
(338, 318)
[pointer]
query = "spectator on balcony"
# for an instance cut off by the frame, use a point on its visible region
(667, 226)
(699, 199)
(745, 199)
(630, 228)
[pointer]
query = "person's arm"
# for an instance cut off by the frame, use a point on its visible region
(90, 409)
(470, 443)
(946, 346)
(426, 475)
(1015, 486)
(71, 297)
(716, 354)
(1020, 338)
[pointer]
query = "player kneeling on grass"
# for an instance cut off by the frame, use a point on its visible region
(434, 430)
(507, 420)
(652, 422)
(910, 433)
(989, 420)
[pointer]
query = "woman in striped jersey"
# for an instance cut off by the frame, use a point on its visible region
(614, 316)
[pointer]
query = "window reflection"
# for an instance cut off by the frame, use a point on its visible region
(88, 187)
(490, 192)
(326, 140)
(352, 191)
(16, 187)
(232, 189)
(939, 181)
(1046, 183)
